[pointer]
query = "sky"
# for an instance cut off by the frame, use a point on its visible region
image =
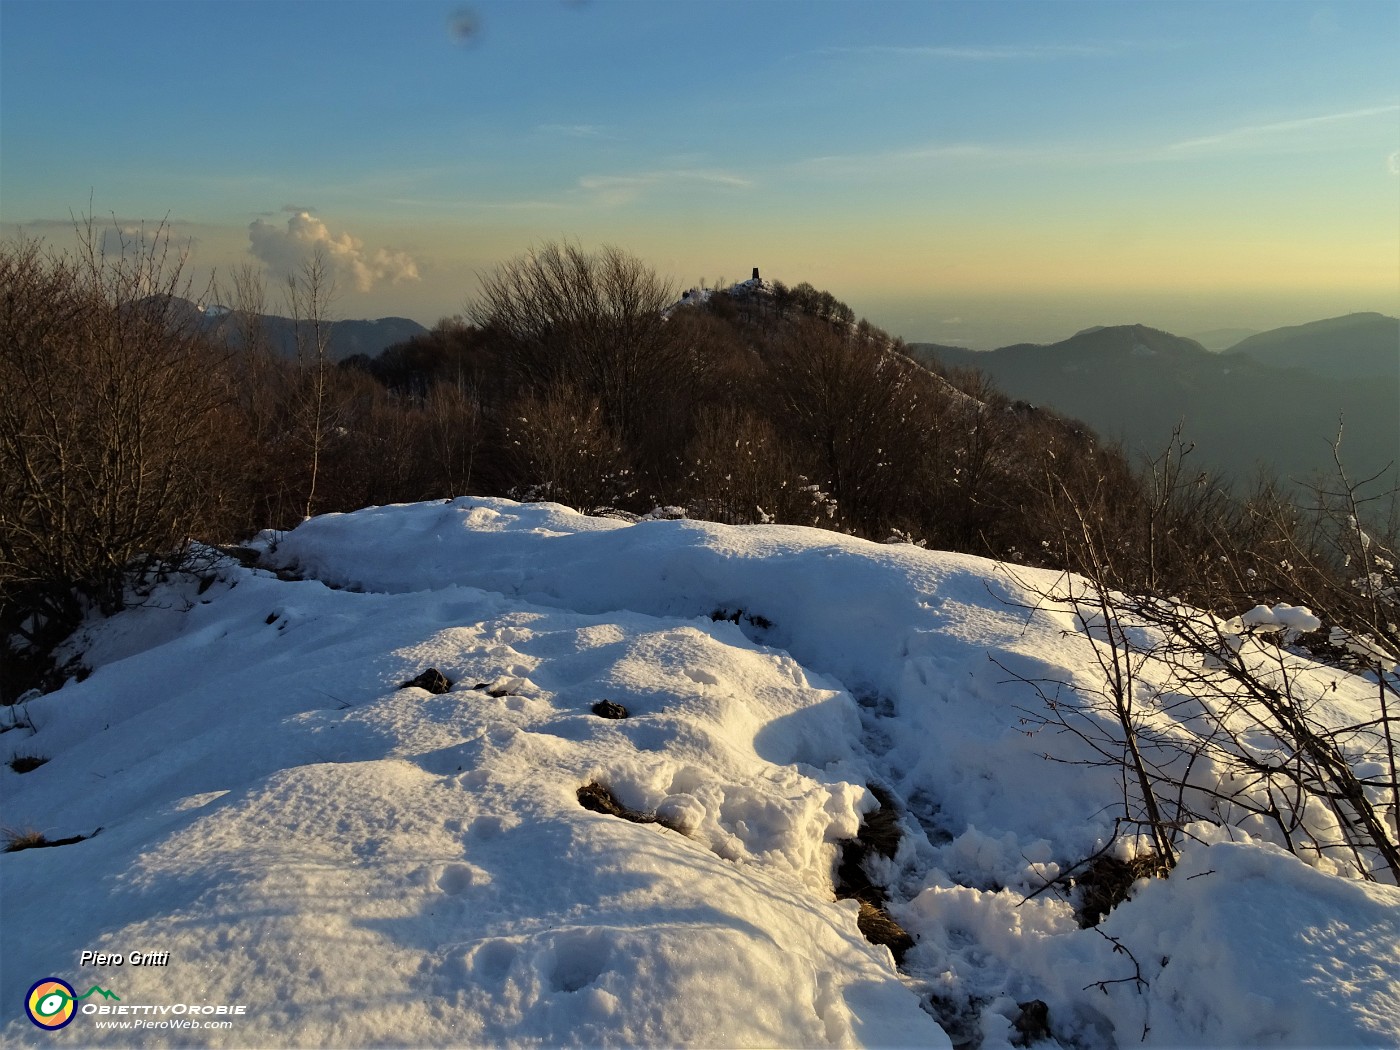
(967, 173)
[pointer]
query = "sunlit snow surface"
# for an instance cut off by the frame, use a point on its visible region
(362, 864)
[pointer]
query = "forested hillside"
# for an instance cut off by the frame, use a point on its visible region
(127, 429)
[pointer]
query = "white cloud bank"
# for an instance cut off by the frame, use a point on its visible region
(284, 251)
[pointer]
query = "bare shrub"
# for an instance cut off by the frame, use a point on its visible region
(742, 472)
(1223, 718)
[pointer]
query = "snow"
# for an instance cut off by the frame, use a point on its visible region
(363, 864)
(1365, 647)
(1265, 620)
(1328, 939)
(700, 295)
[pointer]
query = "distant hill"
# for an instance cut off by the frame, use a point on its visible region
(1223, 338)
(1134, 383)
(1357, 345)
(347, 338)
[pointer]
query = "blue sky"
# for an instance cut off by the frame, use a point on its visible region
(964, 172)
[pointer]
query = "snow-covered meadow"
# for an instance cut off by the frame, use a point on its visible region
(363, 864)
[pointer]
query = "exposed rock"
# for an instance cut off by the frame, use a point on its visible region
(1032, 1024)
(598, 798)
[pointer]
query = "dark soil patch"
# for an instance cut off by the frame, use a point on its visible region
(879, 833)
(26, 763)
(1032, 1024)
(959, 1018)
(735, 615)
(245, 556)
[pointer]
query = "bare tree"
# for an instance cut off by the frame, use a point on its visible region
(595, 323)
(861, 412)
(109, 451)
(309, 294)
(562, 450)
(453, 436)
(265, 395)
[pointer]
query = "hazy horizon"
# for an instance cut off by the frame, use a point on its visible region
(974, 174)
(988, 324)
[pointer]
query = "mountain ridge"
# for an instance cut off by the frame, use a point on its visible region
(1357, 345)
(348, 337)
(1135, 383)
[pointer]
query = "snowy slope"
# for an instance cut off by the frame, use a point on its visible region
(362, 864)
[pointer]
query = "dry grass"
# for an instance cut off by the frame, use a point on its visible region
(879, 833)
(880, 928)
(1106, 882)
(17, 839)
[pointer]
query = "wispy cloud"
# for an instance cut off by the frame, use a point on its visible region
(898, 161)
(983, 52)
(474, 204)
(622, 189)
(175, 228)
(590, 191)
(576, 131)
(1300, 133)
(1253, 135)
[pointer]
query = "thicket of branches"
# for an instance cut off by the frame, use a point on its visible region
(112, 413)
(126, 433)
(1219, 720)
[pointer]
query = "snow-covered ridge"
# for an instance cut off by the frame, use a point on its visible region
(699, 295)
(361, 863)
